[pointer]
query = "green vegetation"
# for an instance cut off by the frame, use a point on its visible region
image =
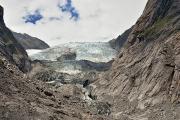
(156, 27)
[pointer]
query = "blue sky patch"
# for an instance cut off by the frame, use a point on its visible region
(33, 17)
(69, 8)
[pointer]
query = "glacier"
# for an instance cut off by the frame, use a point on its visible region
(92, 51)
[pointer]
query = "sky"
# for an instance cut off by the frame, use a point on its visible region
(62, 21)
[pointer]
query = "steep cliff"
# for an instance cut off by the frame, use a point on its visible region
(147, 70)
(29, 42)
(10, 48)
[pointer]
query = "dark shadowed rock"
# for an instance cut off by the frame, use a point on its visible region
(11, 49)
(1, 15)
(29, 42)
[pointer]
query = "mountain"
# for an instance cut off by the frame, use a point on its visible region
(142, 84)
(29, 42)
(145, 77)
(118, 43)
(29, 99)
(10, 48)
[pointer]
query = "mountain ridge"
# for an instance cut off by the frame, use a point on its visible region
(10, 48)
(29, 42)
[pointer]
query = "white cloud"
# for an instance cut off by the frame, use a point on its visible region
(100, 20)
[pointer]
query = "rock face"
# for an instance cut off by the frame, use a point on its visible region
(146, 71)
(29, 42)
(118, 43)
(10, 48)
(25, 99)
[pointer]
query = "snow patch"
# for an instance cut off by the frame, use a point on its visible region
(31, 52)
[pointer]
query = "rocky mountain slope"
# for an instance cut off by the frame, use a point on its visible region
(146, 72)
(142, 84)
(10, 48)
(29, 42)
(26, 99)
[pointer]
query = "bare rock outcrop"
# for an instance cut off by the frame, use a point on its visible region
(146, 72)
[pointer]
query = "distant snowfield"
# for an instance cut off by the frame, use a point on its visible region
(92, 51)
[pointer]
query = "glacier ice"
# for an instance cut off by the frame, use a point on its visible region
(92, 51)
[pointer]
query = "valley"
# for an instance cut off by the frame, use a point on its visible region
(135, 76)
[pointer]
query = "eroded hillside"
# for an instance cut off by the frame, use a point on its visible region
(146, 72)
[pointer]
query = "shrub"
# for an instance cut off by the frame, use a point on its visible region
(156, 27)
